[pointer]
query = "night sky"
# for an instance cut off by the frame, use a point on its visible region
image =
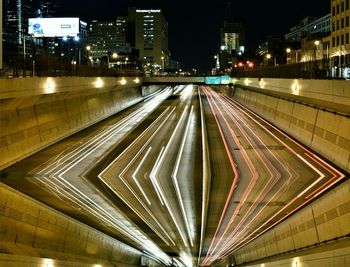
(194, 25)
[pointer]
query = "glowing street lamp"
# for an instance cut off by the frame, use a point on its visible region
(288, 50)
(114, 56)
(162, 58)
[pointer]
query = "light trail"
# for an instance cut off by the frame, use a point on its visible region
(175, 178)
(206, 176)
(55, 168)
(234, 170)
(135, 178)
(237, 240)
(161, 161)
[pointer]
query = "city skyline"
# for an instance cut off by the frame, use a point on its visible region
(194, 27)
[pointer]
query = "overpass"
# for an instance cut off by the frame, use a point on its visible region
(64, 140)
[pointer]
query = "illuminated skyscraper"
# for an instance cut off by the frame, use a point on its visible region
(149, 34)
(106, 36)
(16, 14)
(232, 37)
(15, 27)
(48, 8)
(231, 44)
(340, 38)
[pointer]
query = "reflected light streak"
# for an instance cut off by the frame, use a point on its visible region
(289, 213)
(135, 173)
(161, 160)
(234, 170)
(206, 176)
(99, 83)
(174, 177)
(101, 214)
(50, 86)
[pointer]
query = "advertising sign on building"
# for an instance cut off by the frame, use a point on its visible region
(53, 27)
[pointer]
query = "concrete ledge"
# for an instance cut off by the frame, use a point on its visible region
(326, 132)
(326, 219)
(37, 112)
(328, 94)
(322, 222)
(31, 232)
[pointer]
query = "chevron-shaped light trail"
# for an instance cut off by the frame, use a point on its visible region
(190, 175)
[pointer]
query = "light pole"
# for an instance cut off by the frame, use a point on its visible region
(88, 49)
(316, 44)
(288, 50)
(162, 65)
(114, 56)
(268, 57)
(126, 62)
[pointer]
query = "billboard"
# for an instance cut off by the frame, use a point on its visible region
(53, 27)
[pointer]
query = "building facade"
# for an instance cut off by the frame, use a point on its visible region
(231, 44)
(149, 34)
(15, 28)
(309, 26)
(48, 8)
(340, 39)
(106, 36)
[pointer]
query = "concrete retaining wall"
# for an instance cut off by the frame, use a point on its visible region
(331, 258)
(328, 133)
(37, 112)
(30, 232)
(331, 91)
(325, 220)
(172, 80)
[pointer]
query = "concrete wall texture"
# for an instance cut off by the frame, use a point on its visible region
(37, 112)
(325, 220)
(34, 231)
(328, 133)
(329, 91)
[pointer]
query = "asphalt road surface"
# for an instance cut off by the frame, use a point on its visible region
(188, 174)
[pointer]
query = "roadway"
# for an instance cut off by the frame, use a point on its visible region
(142, 175)
(260, 176)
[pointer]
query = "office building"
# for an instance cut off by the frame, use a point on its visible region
(106, 36)
(340, 38)
(48, 8)
(231, 44)
(16, 15)
(232, 37)
(309, 26)
(149, 34)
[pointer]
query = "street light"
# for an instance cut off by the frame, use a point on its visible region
(288, 50)
(162, 64)
(114, 56)
(126, 61)
(88, 49)
(316, 43)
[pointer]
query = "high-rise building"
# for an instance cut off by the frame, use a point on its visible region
(232, 37)
(149, 34)
(231, 44)
(1, 20)
(106, 37)
(340, 38)
(16, 15)
(309, 26)
(48, 8)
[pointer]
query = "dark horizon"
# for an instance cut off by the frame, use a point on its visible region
(194, 27)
